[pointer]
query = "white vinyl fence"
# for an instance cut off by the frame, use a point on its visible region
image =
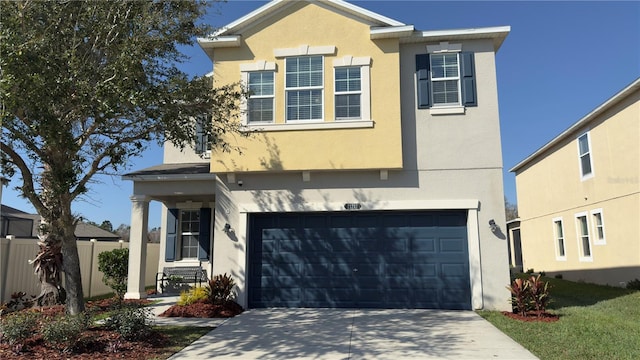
(16, 274)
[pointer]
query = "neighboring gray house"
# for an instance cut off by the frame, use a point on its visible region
(24, 225)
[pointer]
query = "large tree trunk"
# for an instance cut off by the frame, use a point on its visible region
(73, 280)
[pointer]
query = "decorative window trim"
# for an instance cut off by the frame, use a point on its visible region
(447, 110)
(444, 47)
(596, 234)
(579, 235)
(260, 65)
(591, 174)
(557, 238)
(364, 63)
(311, 88)
(304, 50)
(310, 125)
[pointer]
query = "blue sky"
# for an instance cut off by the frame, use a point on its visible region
(560, 61)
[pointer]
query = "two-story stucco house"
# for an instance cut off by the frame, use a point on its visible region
(579, 196)
(372, 176)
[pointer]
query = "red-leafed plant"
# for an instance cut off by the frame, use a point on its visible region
(539, 294)
(528, 295)
(520, 296)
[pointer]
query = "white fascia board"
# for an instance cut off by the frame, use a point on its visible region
(497, 33)
(172, 177)
(463, 32)
(580, 123)
(391, 32)
(249, 17)
(220, 41)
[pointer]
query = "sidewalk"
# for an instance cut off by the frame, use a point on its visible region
(166, 302)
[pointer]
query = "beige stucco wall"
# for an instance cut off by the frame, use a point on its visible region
(377, 147)
(552, 187)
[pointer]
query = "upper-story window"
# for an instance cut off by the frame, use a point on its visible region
(261, 90)
(445, 78)
(348, 92)
(584, 153)
(304, 83)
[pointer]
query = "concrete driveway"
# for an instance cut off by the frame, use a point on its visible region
(355, 334)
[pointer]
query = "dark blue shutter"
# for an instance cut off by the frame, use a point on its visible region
(423, 83)
(468, 79)
(172, 235)
(204, 237)
(200, 145)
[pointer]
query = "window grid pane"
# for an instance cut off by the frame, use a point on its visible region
(304, 81)
(348, 88)
(584, 154)
(190, 227)
(260, 103)
(599, 226)
(584, 236)
(560, 238)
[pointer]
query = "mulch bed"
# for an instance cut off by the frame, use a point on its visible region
(98, 343)
(533, 316)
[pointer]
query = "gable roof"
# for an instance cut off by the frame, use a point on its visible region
(86, 231)
(615, 99)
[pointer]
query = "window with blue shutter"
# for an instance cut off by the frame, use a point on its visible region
(172, 235)
(445, 79)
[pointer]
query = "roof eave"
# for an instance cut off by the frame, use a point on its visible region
(169, 177)
(580, 123)
(391, 32)
(497, 33)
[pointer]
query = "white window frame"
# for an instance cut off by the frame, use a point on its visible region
(365, 85)
(558, 238)
(346, 93)
(288, 90)
(272, 97)
(184, 233)
(434, 80)
(597, 240)
(580, 237)
(589, 153)
(245, 69)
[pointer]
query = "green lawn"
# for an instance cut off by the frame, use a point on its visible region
(596, 322)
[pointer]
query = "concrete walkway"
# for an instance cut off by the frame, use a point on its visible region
(347, 334)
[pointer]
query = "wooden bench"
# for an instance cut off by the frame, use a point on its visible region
(183, 274)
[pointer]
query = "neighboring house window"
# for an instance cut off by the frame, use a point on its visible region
(203, 145)
(261, 90)
(583, 237)
(598, 227)
(445, 80)
(189, 232)
(304, 82)
(559, 239)
(348, 92)
(584, 153)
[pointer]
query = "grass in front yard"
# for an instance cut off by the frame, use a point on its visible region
(596, 322)
(180, 337)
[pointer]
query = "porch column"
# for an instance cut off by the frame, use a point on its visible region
(137, 247)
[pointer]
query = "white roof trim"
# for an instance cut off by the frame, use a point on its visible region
(580, 123)
(473, 31)
(169, 177)
(275, 4)
(391, 32)
(220, 41)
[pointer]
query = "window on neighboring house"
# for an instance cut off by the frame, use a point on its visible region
(583, 236)
(203, 145)
(598, 227)
(303, 87)
(445, 80)
(559, 239)
(260, 103)
(584, 152)
(348, 92)
(189, 232)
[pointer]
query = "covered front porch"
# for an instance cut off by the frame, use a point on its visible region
(187, 194)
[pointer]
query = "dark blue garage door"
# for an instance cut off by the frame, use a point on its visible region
(394, 259)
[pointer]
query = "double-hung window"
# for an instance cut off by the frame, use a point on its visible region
(304, 83)
(584, 243)
(559, 239)
(189, 232)
(348, 92)
(260, 103)
(584, 153)
(445, 79)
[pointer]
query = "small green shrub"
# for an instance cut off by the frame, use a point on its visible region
(65, 331)
(131, 323)
(16, 328)
(193, 295)
(529, 271)
(543, 273)
(558, 276)
(220, 289)
(633, 284)
(114, 265)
